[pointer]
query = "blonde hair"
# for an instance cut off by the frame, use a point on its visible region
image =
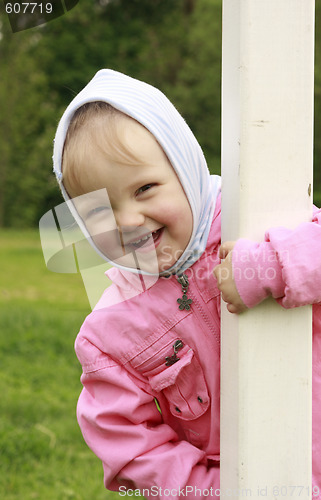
(94, 126)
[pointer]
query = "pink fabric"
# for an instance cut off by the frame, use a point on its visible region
(287, 265)
(123, 345)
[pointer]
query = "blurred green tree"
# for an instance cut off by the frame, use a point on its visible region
(24, 128)
(172, 44)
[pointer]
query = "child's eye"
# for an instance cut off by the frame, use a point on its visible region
(144, 188)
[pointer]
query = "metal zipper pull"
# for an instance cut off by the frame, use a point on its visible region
(170, 360)
(184, 302)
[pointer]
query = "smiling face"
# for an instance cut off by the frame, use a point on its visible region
(132, 209)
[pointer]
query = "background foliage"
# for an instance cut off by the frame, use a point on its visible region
(42, 453)
(172, 44)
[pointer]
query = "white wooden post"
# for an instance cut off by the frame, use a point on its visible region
(267, 156)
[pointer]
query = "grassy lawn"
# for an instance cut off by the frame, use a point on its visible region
(43, 455)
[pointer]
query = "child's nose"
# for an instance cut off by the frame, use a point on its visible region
(129, 218)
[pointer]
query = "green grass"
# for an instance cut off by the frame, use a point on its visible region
(42, 453)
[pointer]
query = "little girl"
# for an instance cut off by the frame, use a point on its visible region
(150, 350)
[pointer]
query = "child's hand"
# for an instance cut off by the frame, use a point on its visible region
(225, 281)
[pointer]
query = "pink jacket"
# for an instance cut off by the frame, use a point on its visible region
(155, 425)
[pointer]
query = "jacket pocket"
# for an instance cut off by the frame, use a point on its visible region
(183, 385)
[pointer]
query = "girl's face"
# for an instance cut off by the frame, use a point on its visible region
(137, 214)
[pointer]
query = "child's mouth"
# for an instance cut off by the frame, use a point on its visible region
(148, 241)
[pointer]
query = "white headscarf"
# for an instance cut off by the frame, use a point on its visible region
(151, 108)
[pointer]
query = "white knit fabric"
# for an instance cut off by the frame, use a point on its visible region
(151, 108)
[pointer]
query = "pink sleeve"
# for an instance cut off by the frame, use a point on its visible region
(122, 425)
(287, 266)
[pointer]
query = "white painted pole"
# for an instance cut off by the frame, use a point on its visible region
(267, 156)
